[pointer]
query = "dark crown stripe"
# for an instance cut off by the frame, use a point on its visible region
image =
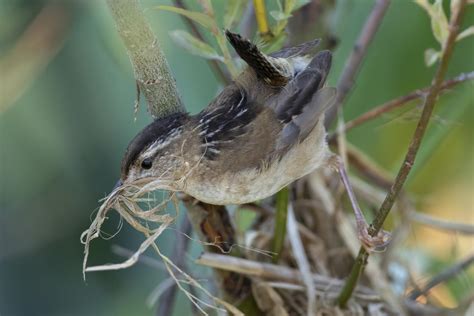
(160, 128)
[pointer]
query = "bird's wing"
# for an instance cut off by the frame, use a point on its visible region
(303, 100)
(220, 125)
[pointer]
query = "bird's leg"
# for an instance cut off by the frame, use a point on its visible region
(371, 243)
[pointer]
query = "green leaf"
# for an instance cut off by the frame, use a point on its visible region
(439, 22)
(233, 12)
(279, 16)
(293, 5)
(431, 56)
(198, 17)
(300, 3)
(194, 46)
(467, 32)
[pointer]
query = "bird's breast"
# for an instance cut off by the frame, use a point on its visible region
(216, 184)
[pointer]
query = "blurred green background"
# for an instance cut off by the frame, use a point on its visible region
(66, 116)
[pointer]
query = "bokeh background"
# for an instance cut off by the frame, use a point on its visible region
(66, 116)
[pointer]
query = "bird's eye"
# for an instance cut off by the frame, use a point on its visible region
(147, 163)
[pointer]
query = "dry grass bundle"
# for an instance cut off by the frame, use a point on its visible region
(135, 205)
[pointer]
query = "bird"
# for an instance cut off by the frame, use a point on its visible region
(262, 132)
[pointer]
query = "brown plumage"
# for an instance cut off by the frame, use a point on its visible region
(261, 133)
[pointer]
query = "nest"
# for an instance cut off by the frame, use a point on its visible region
(319, 250)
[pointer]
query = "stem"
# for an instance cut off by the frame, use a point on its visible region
(150, 67)
(407, 164)
(400, 101)
(442, 224)
(354, 61)
(213, 64)
(446, 274)
(261, 17)
(279, 234)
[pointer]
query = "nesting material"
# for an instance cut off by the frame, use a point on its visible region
(129, 201)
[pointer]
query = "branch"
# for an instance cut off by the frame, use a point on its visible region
(150, 67)
(354, 61)
(400, 101)
(437, 223)
(428, 106)
(445, 275)
(271, 272)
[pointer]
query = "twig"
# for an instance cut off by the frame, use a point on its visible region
(42, 39)
(445, 275)
(261, 17)
(166, 301)
(400, 101)
(354, 61)
(150, 67)
(425, 219)
(407, 164)
(216, 68)
(268, 271)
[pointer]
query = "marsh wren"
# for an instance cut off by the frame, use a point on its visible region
(262, 132)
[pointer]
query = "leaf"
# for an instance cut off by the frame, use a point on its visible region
(300, 3)
(279, 16)
(233, 12)
(194, 46)
(467, 32)
(425, 5)
(431, 56)
(198, 17)
(439, 22)
(293, 5)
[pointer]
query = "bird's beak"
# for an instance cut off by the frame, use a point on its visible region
(118, 184)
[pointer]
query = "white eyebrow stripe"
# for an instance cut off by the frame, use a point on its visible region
(161, 143)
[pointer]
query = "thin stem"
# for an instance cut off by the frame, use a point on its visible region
(279, 234)
(400, 101)
(261, 17)
(442, 224)
(428, 106)
(213, 64)
(445, 275)
(354, 61)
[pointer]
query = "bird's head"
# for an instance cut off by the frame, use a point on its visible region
(155, 152)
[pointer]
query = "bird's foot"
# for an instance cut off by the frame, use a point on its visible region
(377, 243)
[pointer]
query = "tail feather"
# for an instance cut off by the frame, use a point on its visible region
(257, 60)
